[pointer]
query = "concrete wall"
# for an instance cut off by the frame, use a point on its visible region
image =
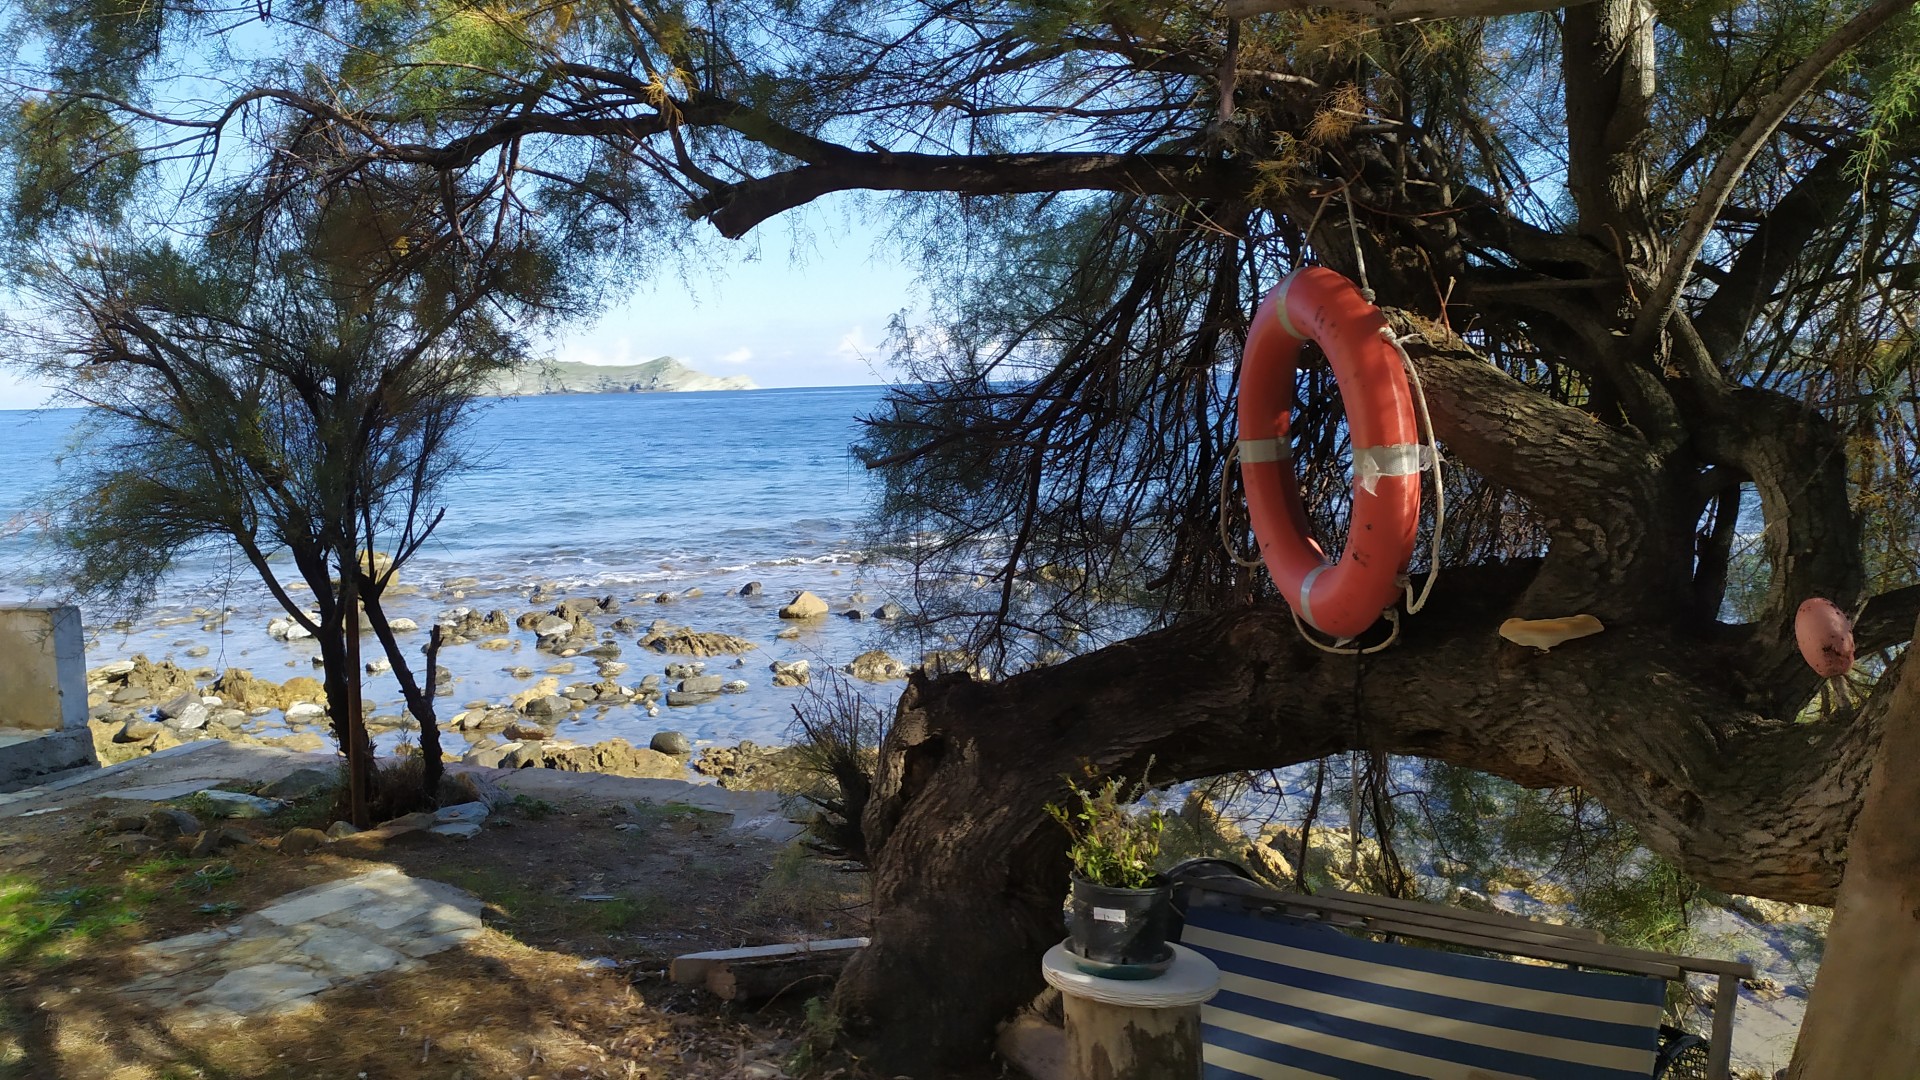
(43, 668)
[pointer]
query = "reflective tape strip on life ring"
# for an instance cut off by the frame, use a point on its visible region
(1343, 598)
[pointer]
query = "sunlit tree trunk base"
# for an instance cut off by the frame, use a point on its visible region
(1864, 1016)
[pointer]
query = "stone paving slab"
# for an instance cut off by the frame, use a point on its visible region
(196, 766)
(207, 761)
(755, 813)
(160, 792)
(276, 960)
(13, 802)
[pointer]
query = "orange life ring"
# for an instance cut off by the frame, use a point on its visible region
(1345, 598)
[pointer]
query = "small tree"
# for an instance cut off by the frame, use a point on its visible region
(294, 382)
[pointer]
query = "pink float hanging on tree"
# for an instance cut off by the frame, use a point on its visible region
(1825, 635)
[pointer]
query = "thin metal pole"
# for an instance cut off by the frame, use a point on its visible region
(356, 725)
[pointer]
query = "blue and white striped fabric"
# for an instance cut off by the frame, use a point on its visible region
(1301, 1000)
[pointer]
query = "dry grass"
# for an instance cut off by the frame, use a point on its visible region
(515, 1002)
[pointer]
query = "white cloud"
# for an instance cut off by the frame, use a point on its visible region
(738, 356)
(854, 345)
(585, 349)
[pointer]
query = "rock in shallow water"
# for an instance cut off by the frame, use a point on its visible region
(689, 642)
(791, 672)
(525, 732)
(670, 742)
(549, 707)
(876, 666)
(804, 606)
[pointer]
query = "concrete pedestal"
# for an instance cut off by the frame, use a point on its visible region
(1120, 1029)
(43, 691)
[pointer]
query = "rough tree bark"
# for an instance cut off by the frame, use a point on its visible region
(1861, 1017)
(1671, 720)
(969, 873)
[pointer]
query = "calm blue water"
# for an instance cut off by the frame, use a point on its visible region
(621, 494)
(579, 487)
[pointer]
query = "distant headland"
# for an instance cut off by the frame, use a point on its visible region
(660, 375)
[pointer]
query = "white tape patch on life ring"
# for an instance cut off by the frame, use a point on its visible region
(1373, 462)
(1255, 451)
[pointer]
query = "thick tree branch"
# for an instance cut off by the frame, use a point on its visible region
(1741, 802)
(1740, 154)
(736, 209)
(1608, 63)
(1601, 489)
(1798, 462)
(1772, 249)
(1396, 11)
(1887, 620)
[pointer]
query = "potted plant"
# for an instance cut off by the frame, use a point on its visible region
(1120, 906)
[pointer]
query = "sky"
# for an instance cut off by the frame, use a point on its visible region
(800, 302)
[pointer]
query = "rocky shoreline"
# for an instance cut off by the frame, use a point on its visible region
(585, 671)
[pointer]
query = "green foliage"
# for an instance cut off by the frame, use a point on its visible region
(531, 808)
(38, 924)
(1559, 843)
(1895, 97)
(69, 159)
(800, 887)
(622, 913)
(836, 737)
(662, 815)
(1113, 844)
(820, 1031)
(207, 878)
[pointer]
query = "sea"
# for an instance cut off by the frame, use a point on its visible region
(621, 495)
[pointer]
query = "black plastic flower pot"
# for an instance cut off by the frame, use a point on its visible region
(1120, 933)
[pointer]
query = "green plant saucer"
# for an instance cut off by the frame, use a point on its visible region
(1151, 969)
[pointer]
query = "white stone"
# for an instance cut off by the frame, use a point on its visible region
(260, 988)
(474, 812)
(427, 946)
(323, 900)
(347, 955)
(240, 805)
(458, 830)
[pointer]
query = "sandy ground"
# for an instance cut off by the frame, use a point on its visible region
(557, 985)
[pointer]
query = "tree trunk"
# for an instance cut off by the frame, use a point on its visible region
(969, 875)
(341, 709)
(419, 699)
(1863, 1018)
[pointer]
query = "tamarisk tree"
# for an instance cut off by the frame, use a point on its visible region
(1652, 261)
(293, 383)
